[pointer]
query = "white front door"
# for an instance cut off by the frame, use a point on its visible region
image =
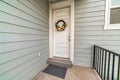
(61, 38)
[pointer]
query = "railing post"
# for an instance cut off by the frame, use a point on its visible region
(119, 68)
(105, 66)
(102, 63)
(113, 66)
(108, 66)
(94, 57)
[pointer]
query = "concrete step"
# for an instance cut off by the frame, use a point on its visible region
(60, 62)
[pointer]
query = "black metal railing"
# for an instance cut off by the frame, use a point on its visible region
(106, 63)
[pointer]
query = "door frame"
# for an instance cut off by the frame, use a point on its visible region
(68, 34)
(58, 5)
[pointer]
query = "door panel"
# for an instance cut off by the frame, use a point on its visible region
(61, 42)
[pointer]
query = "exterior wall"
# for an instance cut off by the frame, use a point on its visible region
(24, 34)
(89, 31)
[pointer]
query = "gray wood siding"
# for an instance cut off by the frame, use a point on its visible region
(89, 30)
(24, 33)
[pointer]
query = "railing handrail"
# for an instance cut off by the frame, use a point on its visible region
(101, 62)
(108, 50)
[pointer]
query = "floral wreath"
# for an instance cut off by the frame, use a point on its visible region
(60, 28)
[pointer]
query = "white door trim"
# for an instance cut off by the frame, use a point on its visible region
(68, 3)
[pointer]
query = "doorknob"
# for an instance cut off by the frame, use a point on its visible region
(69, 38)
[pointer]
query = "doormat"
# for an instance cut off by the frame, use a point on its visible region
(56, 71)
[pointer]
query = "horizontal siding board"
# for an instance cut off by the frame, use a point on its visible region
(102, 38)
(90, 23)
(22, 8)
(42, 10)
(88, 47)
(88, 57)
(83, 62)
(92, 14)
(88, 28)
(5, 58)
(16, 63)
(98, 42)
(26, 67)
(9, 9)
(81, 2)
(89, 31)
(89, 19)
(12, 28)
(80, 50)
(83, 54)
(12, 73)
(91, 4)
(24, 33)
(109, 33)
(19, 62)
(45, 8)
(45, 3)
(9, 38)
(89, 10)
(32, 8)
(23, 68)
(5, 18)
(32, 70)
(8, 47)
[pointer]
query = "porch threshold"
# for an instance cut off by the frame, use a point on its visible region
(60, 62)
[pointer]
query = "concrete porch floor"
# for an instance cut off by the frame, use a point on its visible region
(74, 73)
